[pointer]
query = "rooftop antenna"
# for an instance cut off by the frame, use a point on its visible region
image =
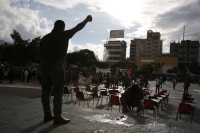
(183, 32)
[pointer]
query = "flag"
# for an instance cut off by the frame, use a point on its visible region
(129, 71)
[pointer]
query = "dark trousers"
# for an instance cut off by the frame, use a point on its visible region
(52, 76)
(174, 86)
(186, 89)
(157, 88)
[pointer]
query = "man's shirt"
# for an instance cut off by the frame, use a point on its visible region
(55, 44)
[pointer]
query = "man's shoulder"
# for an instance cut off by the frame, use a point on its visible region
(46, 36)
(68, 33)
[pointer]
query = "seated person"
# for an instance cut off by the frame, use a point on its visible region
(132, 96)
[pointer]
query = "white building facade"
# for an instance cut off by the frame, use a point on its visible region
(114, 51)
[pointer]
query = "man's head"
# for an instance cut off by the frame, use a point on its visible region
(59, 25)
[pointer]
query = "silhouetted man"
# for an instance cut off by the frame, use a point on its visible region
(53, 49)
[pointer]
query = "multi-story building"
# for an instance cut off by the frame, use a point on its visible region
(174, 49)
(187, 51)
(150, 47)
(114, 51)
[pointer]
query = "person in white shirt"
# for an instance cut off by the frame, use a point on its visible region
(26, 75)
(157, 84)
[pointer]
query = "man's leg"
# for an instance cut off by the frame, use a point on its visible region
(184, 89)
(45, 98)
(156, 88)
(58, 79)
(187, 89)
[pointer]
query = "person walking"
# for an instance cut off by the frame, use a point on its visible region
(186, 85)
(174, 82)
(52, 54)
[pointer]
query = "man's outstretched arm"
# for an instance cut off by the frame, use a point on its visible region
(81, 25)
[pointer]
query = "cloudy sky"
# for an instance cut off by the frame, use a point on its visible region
(33, 18)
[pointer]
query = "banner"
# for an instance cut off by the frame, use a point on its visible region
(124, 71)
(116, 33)
(85, 81)
(103, 70)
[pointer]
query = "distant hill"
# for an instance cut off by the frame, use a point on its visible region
(2, 42)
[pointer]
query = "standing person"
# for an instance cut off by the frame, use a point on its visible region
(52, 53)
(26, 75)
(10, 75)
(174, 82)
(145, 82)
(161, 81)
(141, 81)
(157, 84)
(107, 85)
(5, 75)
(29, 76)
(127, 81)
(116, 78)
(186, 85)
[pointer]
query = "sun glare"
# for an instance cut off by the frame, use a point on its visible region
(126, 11)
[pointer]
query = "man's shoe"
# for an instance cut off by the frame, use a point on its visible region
(60, 120)
(48, 117)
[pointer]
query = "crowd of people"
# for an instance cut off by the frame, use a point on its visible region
(27, 74)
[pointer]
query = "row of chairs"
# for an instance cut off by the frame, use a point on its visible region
(93, 94)
(150, 104)
(185, 106)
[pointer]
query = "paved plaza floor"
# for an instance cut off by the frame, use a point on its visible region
(21, 112)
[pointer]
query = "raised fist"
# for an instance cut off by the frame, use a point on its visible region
(89, 18)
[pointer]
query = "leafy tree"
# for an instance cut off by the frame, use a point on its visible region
(85, 57)
(147, 67)
(173, 70)
(157, 65)
(21, 51)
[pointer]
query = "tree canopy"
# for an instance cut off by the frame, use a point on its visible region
(21, 51)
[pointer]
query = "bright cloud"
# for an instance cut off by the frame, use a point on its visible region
(98, 49)
(22, 19)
